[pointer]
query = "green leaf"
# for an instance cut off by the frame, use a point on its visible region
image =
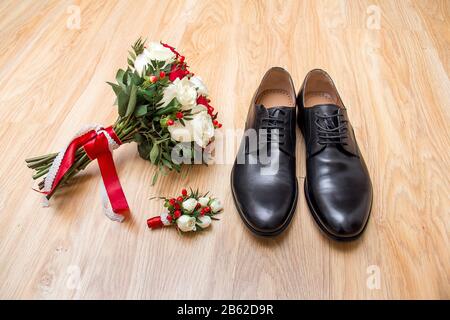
(131, 101)
(135, 78)
(154, 153)
(116, 88)
(127, 80)
(144, 149)
(161, 141)
(122, 102)
(148, 94)
(177, 167)
(166, 156)
(155, 178)
(119, 76)
(166, 110)
(138, 138)
(138, 46)
(141, 110)
(167, 163)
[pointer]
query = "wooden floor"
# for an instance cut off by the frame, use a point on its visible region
(389, 59)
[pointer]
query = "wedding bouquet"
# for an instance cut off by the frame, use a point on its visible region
(188, 212)
(162, 106)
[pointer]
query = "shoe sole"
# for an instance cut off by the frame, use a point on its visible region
(262, 233)
(323, 228)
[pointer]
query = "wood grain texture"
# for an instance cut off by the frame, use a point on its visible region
(393, 79)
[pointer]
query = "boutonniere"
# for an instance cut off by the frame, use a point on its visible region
(190, 211)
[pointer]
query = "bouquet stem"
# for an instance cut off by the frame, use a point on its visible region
(124, 129)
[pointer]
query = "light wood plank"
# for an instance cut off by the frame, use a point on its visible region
(394, 81)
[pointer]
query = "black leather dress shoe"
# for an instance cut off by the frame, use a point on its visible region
(337, 186)
(263, 179)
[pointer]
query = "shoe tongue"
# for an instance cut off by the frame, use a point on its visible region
(272, 111)
(328, 109)
(275, 111)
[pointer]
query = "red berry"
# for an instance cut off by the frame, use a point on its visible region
(170, 122)
(162, 74)
(184, 192)
(176, 206)
(179, 115)
(215, 122)
(207, 209)
(169, 218)
(220, 125)
(153, 79)
(177, 214)
(197, 206)
(202, 212)
(182, 59)
(172, 201)
(180, 199)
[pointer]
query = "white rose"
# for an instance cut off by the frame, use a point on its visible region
(156, 51)
(198, 83)
(200, 129)
(205, 221)
(186, 94)
(141, 62)
(203, 128)
(203, 201)
(189, 204)
(183, 90)
(181, 133)
(186, 223)
(216, 205)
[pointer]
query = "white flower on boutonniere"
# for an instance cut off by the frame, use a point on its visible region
(200, 129)
(189, 204)
(198, 83)
(186, 223)
(205, 221)
(203, 201)
(155, 51)
(183, 90)
(216, 205)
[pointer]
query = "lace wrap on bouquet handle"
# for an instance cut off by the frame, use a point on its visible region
(51, 175)
(98, 143)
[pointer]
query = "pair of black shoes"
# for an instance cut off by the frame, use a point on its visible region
(337, 186)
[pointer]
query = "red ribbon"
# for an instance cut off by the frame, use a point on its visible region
(96, 146)
(155, 222)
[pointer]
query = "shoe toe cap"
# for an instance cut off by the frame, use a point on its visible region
(266, 207)
(343, 214)
(265, 220)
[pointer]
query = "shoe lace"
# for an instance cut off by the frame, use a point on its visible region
(331, 128)
(272, 122)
